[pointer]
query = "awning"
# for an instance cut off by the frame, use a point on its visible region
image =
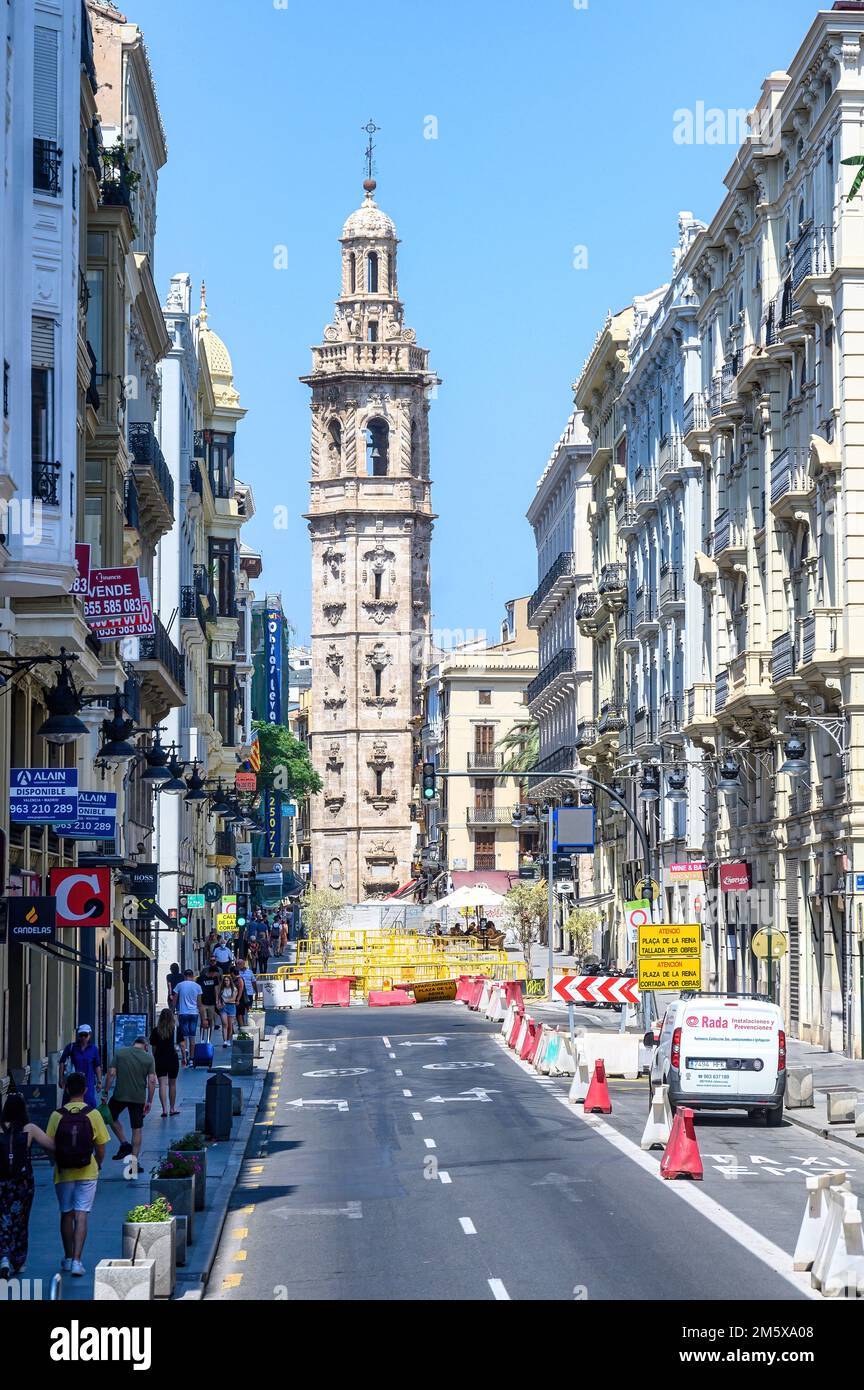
(499, 880)
(136, 940)
(404, 890)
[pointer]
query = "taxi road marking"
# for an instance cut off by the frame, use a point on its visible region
(467, 1225)
(232, 1281)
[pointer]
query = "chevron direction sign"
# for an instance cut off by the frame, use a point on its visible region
(597, 989)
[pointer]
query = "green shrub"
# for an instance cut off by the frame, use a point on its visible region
(158, 1210)
(193, 1140)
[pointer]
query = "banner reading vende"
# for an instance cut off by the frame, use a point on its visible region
(670, 955)
(112, 603)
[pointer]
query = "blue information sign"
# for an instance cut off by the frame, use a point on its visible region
(96, 820)
(43, 794)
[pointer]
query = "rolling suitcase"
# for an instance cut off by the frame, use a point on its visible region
(202, 1055)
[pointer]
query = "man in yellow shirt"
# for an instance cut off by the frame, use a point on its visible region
(80, 1137)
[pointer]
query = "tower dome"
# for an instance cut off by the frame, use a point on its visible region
(369, 220)
(218, 358)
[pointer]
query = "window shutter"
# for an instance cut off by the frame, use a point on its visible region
(45, 84)
(43, 342)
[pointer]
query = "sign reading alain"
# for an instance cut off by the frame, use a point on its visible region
(273, 622)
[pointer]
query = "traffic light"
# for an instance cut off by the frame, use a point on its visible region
(242, 909)
(183, 915)
(429, 788)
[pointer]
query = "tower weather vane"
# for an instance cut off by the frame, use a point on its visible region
(371, 129)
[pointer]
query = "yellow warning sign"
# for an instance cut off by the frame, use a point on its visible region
(670, 955)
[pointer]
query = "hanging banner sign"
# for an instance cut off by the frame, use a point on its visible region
(273, 623)
(113, 598)
(735, 878)
(40, 795)
(272, 825)
(692, 872)
(96, 819)
(82, 560)
(245, 781)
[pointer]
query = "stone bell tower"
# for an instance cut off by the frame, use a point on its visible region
(370, 519)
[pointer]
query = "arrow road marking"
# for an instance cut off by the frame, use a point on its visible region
(476, 1093)
(452, 1066)
(433, 1042)
(330, 1046)
(562, 1182)
(339, 1071)
(298, 1104)
(354, 1211)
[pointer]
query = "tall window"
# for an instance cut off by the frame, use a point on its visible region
(223, 576)
(46, 155)
(222, 702)
(42, 392)
(379, 578)
(372, 272)
(334, 448)
(222, 464)
(352, 272)
(377, 449)
(95, 309)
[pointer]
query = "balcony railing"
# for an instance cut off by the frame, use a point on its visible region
(782, 657)
(626, 515)
(490, 815)
(560, 761)
(728, 533)
(117, 178)
(645, 489)
(586, 605)
(811, 255)
(612, 719)
(563, 568)
(613, 578)
(789, 473)
(820, 633)
(670, 714)
(721, 690)
(700, 703)
(160, 648)
(586, 733)
(47, 166)
(563, 663)
(224, 844)
(485, 762)
(695, 413)
(646, 609)
(671, 457)
(671, 587)
(147, 454)
(192, 606)
(196, 479)
(45, 480)
(485, 861)
(643, 727)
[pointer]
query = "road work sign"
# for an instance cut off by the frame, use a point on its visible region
(670, 956)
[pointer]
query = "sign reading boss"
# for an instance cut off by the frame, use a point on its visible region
(83, 897)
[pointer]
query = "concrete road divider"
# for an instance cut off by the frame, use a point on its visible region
(838, 1265)
(598, 1101)
(388, 998)
(799, 1088)
(280, 992)
(816, 1215)
(620, 1052)
(659, 1125)
(681, 1158)
(337, 991)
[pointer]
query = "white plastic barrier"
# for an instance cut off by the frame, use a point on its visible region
(659, 1124)
(838, 1265)
(507, 1021)
(520, 1036)
(547, 1046)
(483, 1001)
(564, 1062)
(495, 1007)
(619, 1051)
(281, 994)
(581, 1079)
(816, 1215)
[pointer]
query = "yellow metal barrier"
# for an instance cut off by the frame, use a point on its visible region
(380, 960)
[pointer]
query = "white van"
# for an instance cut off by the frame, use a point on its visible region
(722, 1052)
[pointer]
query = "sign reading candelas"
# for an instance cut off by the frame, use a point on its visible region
(670, 956)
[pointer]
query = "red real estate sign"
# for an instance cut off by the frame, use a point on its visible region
(112, 594)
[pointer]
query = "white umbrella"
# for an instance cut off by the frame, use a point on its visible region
(472, 895)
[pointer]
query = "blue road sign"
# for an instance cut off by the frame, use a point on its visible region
(573, 830)
(43, 794)
(96, 819)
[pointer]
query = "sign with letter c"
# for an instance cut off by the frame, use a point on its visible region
(83, 896)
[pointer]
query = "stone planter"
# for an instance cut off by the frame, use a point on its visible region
(181, 1224)
(156, 1241)
(242, 1057)
(180, 1192)
(200, 1178)
(119, 1281)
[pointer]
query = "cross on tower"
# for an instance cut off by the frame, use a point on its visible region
(371, 129)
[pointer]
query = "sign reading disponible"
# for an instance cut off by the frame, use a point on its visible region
(670, 955)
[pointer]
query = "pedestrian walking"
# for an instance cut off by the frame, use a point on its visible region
(209, 982)
(228, 1008)
(283, 939)
(133, 1075)
(263, 952)
(250, 984)
(173, 978)
(187, 1001)
(166, 1062)
(17, 1133)
(79, 1136)
(223, 954)
(82, 1055)
(252, 952)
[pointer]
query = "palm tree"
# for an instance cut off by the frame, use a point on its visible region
(521, 747)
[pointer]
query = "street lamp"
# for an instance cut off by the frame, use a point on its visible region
(116, 747)
(156, 759)
(676, 785)
(64, 701)
(175, 784)
(796, 757)
(195, 785)
(649, 788)
(729, 776)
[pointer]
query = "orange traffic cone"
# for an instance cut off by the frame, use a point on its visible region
(597, 1100)
(681, 1155)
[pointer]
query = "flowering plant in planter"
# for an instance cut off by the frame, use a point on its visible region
(190, 1142)
(179, 1166)
(159, 1210)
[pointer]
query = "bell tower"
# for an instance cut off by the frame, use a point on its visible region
(370, 521)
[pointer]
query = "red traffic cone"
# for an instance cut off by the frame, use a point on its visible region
(597, 1100)
(681, 1155)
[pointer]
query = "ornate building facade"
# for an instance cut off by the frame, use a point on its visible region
(370, 520)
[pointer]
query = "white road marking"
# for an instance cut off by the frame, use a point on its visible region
(353, 1210)
(498, 1290)
(415, 1115)
(386, 1041)
(392, 1054)
(407, 1093)
(477, 1093)
(340, 1104)
(444, 1177)
(467, 1225)
(339, 1071)
(398, 1072)
(430, 1143)
(454, 1066)
(433, 1042)
(752, 1240)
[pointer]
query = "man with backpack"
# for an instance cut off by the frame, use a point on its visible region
(80, 1136)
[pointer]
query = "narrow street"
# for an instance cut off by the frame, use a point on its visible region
(425, 1163)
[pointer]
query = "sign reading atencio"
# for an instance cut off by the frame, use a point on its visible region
(670, 955)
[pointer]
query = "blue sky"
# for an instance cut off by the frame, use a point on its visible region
(554, 131)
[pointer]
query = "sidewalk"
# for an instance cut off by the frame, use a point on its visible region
(829, 1069)
(116, 1195)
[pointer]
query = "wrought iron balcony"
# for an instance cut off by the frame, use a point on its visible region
(586, 733)
(199, 446)
(196, 479)
(626, 515)
(671, 458)
(490, 815)
(586, 605)
(152, 476)
(224, 844)
(613, 579)
(562, 664)
(612, 719)
(721, 690)
(161, 650)
(555, 582)
(728, 535)
(117, 178)
(790, 479)
(783, 657)
(671, 589)
(485, 762)
(811, 255)
(644, 729)
(670, 714)
(47, 167)
(645, 489)
(560, 761)
(45, 480)
(695, 414)
(646, 611)
(192, 606)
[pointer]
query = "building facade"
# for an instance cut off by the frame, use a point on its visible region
(370, 520)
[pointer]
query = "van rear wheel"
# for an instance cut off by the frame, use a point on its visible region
(774, 1118)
